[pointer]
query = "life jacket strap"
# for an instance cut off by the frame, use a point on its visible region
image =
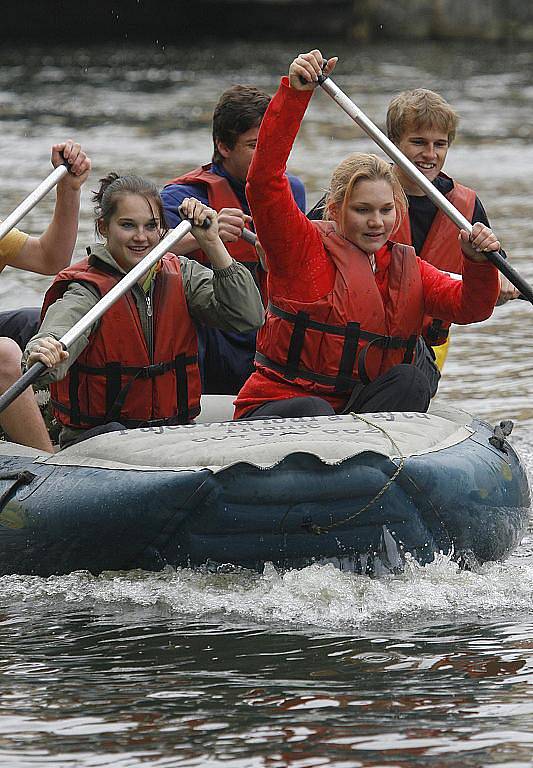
(301, 373)
(348, 357)
(116, 393)
(353, 334)
(95, 421)
(436, 333)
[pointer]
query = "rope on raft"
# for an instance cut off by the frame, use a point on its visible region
(319, 529)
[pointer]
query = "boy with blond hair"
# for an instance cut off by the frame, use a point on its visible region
(423, 125)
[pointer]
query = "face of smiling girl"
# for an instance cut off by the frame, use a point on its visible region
(370, 215)
(133, 230)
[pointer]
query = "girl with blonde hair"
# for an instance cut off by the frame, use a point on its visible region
(346, 303)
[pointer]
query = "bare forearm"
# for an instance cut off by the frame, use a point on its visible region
(217, 254)
(184, 246)
(58, 242)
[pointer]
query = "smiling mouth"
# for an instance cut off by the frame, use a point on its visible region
(426, 166)
(137, 248)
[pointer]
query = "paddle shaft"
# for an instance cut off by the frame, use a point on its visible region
(33, 198)
(94, 314)
(351, 109)
(248, 236)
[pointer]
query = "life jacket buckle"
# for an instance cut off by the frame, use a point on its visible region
(151, 371)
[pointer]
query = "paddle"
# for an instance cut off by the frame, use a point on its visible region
(127, 282)
(353, 111)
(33, 198)
(248, 236)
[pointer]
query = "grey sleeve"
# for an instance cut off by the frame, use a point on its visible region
(77, 300)
(222, 298)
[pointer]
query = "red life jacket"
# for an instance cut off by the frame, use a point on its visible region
(114, 379)
(220, 195)
(348, 337)
(441, 248)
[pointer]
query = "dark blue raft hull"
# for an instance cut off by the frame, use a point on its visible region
(471, 500)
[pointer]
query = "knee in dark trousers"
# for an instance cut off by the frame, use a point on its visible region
(310, 406)
(291, 408)
(408, 389)
(403, 388)
(20, 324)
(425, 361)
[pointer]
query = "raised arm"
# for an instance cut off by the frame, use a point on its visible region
(52, 251)
(225, 297)
(287, 236)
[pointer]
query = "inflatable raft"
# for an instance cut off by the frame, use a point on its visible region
(358, 491)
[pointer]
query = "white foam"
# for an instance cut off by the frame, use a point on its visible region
(319, 595)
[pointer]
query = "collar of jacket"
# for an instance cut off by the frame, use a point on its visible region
(99, 251)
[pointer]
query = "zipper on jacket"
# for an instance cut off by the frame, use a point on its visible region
(150, 316)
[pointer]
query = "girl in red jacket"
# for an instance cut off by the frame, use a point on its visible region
(346, 303)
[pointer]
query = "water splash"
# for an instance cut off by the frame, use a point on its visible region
(319, 596)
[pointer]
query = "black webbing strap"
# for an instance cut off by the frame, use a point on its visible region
(301, 373)
(436, 331)
(313, 325)
(179, 364)
(335, 330)
(301, 321)
(83, 419)
(182, 387)
(19, 478)
(113, 385)
(114, 407)
(116, 394)
(349, 354)
(410, 349)
(361, 364)
(73, 386)
(352, 333)
(386, 342)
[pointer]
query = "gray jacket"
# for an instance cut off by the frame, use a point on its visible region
(222, 298)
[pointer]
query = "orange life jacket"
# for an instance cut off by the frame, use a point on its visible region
(442, 249)
(348, 337)
(220, 195)
(114, 378)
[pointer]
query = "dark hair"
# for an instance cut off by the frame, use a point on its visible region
(239, 108)
(113, 186)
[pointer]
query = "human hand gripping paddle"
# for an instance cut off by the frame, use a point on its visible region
(63, 157)
(96, 312)
(31, 201)
(311, 74)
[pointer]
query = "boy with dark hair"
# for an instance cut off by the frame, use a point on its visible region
(226, 359)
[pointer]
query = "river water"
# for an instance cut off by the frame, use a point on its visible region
(307, 668)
